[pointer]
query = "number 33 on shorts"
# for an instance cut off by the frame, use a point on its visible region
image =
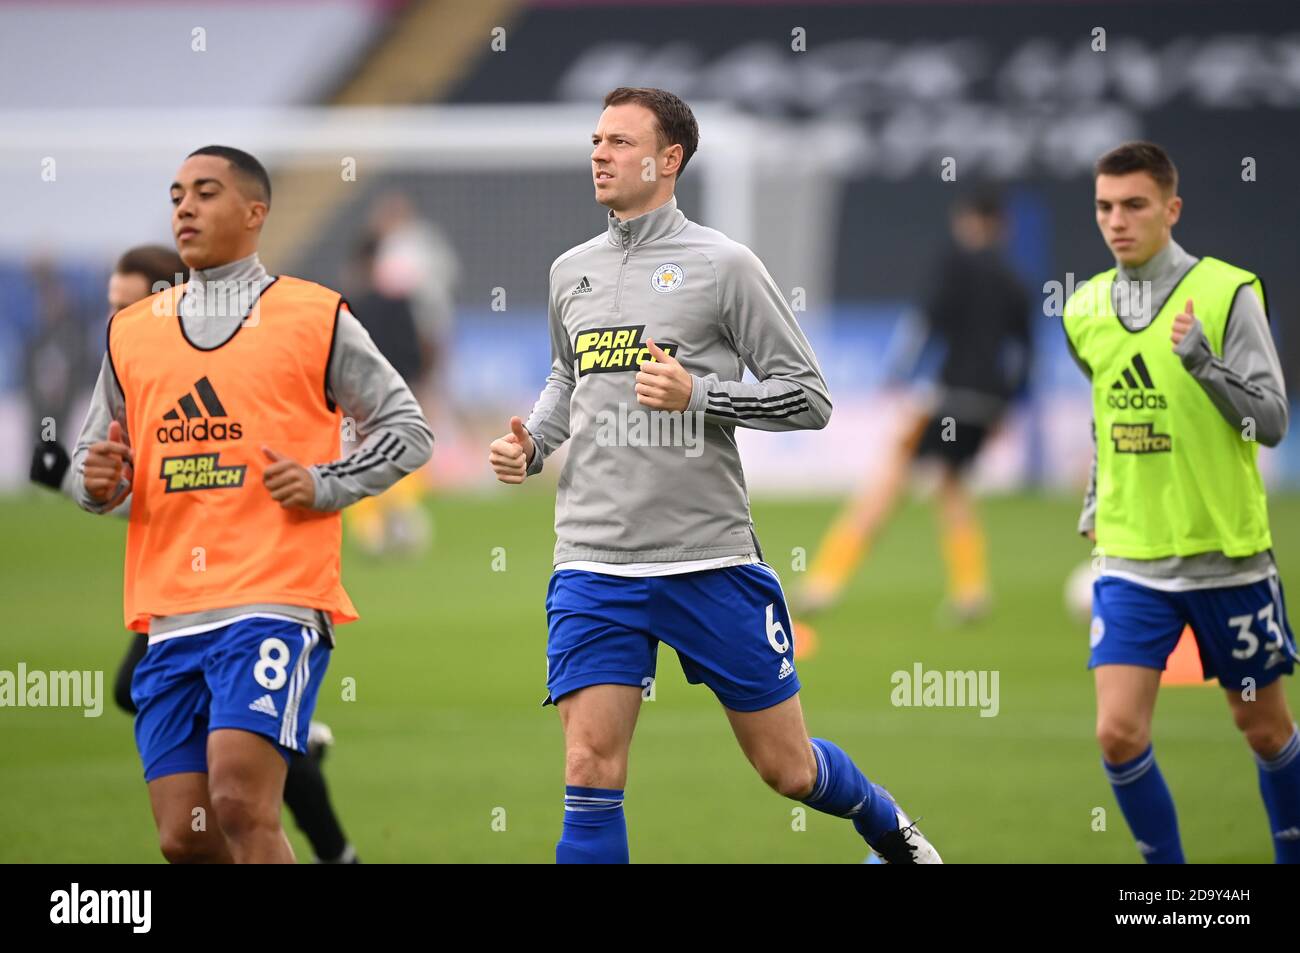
(1241, 631)
(1248, 642)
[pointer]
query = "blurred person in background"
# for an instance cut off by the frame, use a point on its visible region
(414, 260)
(56, 361)
(978, 311)
(394, 522)
(136, 276)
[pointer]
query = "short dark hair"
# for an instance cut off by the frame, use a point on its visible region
(984, 200)
(674, 119)
(1140, 157)
(155, 262)
(243, 163)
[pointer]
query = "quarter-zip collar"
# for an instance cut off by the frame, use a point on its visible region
(655, 224)
(1165, 265)
(224, 291)
(1140, 291)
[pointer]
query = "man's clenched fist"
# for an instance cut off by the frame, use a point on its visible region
(289, 482)
(108, 463)
(511, 454)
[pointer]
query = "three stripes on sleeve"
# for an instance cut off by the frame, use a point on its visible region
(722, 404)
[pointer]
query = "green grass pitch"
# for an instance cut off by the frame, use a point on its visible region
(446, 741)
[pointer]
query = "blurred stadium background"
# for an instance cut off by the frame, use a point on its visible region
(453, 138)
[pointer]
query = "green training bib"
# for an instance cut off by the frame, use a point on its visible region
(1174, 478)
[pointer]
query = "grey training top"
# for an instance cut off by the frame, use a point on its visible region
(395, 437)
(1245, 382)
(643, 486)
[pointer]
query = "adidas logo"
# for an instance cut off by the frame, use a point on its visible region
(266, 705)
(786, 669)
(1145, 848)
(583, 287)
(1291, 833)
(1130, 390)
(196, 424)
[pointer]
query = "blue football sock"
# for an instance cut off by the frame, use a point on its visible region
(1279, 783)
(1148, 807)
(841, 789)
(595, 831)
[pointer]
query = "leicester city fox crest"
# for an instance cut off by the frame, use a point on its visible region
(667, 278)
